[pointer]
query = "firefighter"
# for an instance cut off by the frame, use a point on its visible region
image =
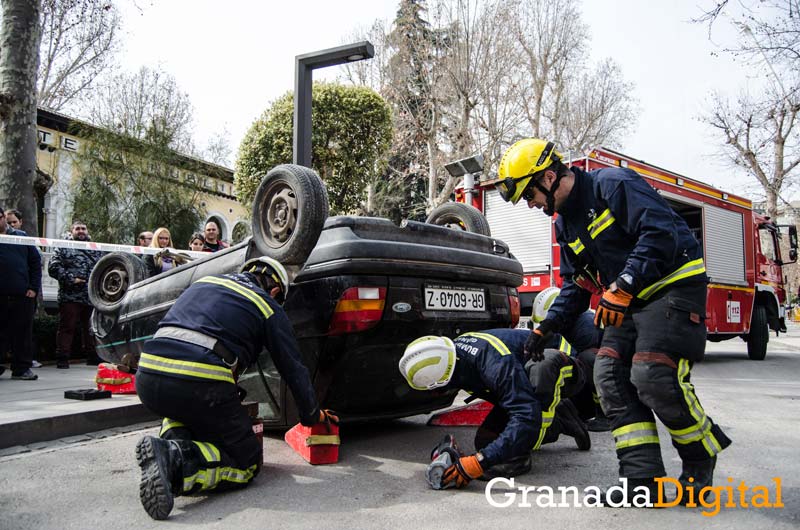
(188, 372)
(489, 365)
(616, 232)
(580, 342)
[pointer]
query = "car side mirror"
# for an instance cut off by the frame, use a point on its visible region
(792, 243)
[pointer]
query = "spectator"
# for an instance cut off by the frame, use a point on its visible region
(72, 267)
(158, 263)
(196, 242)
(213, 243)
(21, 271)
(14, 220)
(144, 239)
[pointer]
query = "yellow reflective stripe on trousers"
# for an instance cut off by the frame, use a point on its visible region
(547, 416)
(691, 268)
(577, 246)
(210, 478)
(700, 431)
(193, 369)
(603, 221)
(635, 434)
(491, 339)
(209, 450)
(565, 347)
(167, 424)
(251, 295)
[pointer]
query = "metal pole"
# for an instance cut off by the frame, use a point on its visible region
(301, 145)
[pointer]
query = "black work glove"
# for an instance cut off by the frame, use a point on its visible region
(534, 346)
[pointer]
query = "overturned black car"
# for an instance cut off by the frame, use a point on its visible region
(362, 289)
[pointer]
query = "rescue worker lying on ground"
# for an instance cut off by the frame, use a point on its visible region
(187, 373)
(615, 229)
(489, 365)
(580, 342)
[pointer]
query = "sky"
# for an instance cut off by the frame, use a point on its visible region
(233, 58)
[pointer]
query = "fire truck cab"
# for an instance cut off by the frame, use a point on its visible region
(747, 287)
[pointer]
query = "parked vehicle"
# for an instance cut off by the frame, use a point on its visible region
(747, 291)
(362, 289)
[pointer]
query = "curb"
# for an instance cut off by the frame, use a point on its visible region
(46, 429)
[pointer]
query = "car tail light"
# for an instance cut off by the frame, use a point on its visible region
(513, 305)
(359, 308)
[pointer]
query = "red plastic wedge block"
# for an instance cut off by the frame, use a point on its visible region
(316, 444)
(466, 416)
(118, 382)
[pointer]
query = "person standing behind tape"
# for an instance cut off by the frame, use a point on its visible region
(212, 241)
(21, 273)
(653, 309)
(72, 267)
(187, 374)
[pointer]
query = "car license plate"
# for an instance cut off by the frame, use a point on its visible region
(452, 299)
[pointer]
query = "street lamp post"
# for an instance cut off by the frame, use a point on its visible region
(304, 66)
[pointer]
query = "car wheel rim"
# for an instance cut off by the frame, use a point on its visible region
(114, 283)
(451, 222)
(281, 215)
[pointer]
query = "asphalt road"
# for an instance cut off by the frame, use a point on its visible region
(379, 482)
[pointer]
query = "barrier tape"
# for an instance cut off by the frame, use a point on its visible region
(91, 245)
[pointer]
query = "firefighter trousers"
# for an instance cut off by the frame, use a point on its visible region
(218, 448)
(557, 377)
(644, 367)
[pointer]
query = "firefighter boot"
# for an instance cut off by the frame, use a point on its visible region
(571, 424)
(600, 422)
(697, 475)
(161, 462)
(516, 466)
(629, 493)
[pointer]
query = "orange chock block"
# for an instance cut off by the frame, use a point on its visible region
(316, 444)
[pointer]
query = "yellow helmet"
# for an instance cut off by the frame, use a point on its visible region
(520, 163)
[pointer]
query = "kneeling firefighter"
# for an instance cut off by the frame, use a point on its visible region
(489, 365)
(578, 343)
(188, 372)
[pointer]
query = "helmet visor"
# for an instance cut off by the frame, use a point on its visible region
(511, 190)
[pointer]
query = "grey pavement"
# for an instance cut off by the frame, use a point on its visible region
(32, 412)
(37, 411)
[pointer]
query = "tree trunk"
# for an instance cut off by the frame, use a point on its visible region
(19, 57)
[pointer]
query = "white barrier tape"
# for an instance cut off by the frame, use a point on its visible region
(91, 245)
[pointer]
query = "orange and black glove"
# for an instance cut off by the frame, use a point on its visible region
(462, 471)
(328, 418)
(612, 307)
(539, 337)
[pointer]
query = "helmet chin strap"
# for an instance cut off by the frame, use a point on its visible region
(550, 195)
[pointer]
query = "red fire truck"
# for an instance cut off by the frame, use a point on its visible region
(747, 291)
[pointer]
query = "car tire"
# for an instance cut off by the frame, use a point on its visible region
(758, 337)
(111, 277)
(460, 216)
(289, 210)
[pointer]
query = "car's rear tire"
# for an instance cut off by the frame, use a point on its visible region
(111, 277)
(289, 210)
(758, 337)
(460, 216)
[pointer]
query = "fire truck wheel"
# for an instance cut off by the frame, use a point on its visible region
(759, 334)
(460, 216)
(111, 277)
(289, 210)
